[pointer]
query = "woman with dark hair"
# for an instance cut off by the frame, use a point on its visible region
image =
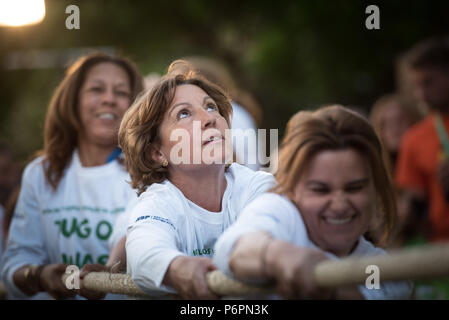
(73, 192)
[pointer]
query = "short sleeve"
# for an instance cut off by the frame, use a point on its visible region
(270, 213)
(260, 183)
(25, 243)
(151, 242)
(121, 223)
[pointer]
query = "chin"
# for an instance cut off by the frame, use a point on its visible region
(105, 140)
(342, 245)
(214, 159)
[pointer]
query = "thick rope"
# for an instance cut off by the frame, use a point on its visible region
(421, 263)
(111, 283)
(425, 262)
(222, 285)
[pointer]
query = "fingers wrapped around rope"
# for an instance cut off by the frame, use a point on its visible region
(427, 262)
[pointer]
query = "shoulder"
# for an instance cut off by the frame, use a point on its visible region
(245, 176)
(273, 202)
(160, 199)
(248, 184)
(34, 170)
(365, 247)
(420, 131)
(277, 208)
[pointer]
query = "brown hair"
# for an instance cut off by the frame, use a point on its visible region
(62, 122)
(430, 53)
(139, 130)
(335, 128)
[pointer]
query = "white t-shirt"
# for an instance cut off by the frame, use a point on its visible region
(242, 120)
(278, 216)
(164, 224)
(71, 225)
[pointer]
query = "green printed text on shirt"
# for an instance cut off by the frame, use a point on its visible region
(81, 259)
(203, 252)
(83, 229)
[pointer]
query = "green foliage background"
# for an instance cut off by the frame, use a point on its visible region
(290, 55)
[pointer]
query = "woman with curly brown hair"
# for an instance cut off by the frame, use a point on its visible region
(175, 141)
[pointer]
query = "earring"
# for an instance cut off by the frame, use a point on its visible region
(164, 163)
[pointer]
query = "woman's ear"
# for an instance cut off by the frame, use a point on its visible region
(157, 156)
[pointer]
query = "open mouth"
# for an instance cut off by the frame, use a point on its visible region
(106, 116)
(212, 139)
(339, 221)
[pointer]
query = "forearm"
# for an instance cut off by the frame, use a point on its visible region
(117, 258)
(175, 271)
(247, 259)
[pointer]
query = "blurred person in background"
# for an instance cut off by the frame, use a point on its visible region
(391, 118)
(422, 171)
(150, 80)
(73, 192)
(10, 172)
(405, 88)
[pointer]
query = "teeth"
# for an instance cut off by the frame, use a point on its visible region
(108, 116)
(338, 221)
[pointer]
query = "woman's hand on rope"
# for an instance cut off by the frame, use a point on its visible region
(91, 294)
(50, 281)
(188, 276)
(292, 268)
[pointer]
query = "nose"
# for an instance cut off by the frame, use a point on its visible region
(207, 119)
(339, 204)
(108, 96)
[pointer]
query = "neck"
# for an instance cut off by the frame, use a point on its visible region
(346, 251)
(205, 189)
(92, 155)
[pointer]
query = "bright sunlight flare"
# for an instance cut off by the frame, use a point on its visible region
(16, 13)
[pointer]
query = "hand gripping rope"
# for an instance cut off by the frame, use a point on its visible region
(425, 262)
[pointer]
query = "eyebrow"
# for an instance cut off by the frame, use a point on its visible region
(100, 81)
(358, 181)
(186, 103)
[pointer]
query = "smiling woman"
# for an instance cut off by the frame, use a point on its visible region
(332, 182)
(72, 194)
